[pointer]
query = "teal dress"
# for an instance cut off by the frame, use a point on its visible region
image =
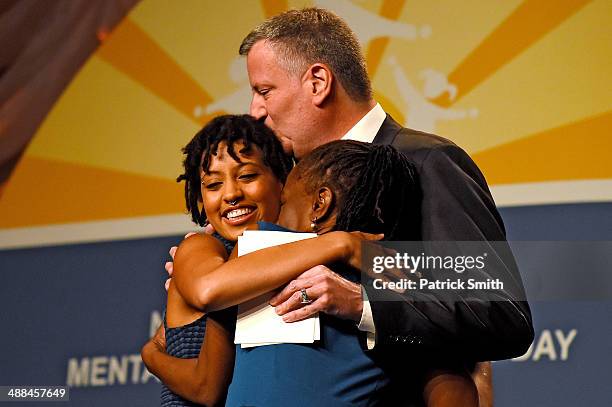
(332, 372)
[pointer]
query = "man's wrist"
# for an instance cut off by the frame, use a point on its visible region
(366, 321)
(357, 312)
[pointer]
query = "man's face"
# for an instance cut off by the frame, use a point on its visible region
(283, 98)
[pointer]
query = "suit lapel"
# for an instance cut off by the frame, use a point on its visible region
(387, 132)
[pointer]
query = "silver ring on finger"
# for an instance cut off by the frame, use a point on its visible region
(305, 298)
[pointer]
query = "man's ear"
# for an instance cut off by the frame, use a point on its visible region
(319, 80)
(323, 205)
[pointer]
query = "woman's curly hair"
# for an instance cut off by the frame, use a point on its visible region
(228, 129)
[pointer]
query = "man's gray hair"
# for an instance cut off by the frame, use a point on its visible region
(310, 35)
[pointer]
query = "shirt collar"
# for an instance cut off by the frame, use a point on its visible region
(365, 130)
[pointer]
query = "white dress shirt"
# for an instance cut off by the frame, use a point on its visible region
(365, 130)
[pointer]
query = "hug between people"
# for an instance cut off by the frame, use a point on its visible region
(359, 177)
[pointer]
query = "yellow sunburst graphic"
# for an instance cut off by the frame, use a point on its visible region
(523, 86)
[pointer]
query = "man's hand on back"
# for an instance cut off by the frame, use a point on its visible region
(329, 293)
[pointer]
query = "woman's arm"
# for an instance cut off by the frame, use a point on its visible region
(248, 276)
(203, 380)
(449, 387)
(199, 254)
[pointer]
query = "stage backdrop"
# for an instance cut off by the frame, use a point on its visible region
(98, 97)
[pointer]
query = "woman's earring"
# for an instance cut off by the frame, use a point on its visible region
(313, 225)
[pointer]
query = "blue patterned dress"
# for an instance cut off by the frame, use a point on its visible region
(185, 342)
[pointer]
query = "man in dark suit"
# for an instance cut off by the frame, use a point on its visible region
(310, 85)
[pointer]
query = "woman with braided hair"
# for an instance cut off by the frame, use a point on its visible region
(340, 188)
(374, 189)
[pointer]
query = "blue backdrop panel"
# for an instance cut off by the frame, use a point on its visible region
(545, 378)
(582, 378)
(89, 303)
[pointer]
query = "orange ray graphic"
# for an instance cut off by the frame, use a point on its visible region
(526, 25)
(376, 48)
(42, 192)
(130, 50)
(273, 7)
(576, 151)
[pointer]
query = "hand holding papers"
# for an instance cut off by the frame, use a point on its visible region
(258, 324)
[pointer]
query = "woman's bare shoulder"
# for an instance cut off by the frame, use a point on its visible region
(200, 243)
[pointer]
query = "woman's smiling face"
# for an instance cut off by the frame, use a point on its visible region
(238, 194)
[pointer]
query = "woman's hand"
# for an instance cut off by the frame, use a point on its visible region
(352, 242)
(156, 344)
(159, 339)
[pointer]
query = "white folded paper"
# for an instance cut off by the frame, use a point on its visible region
(258, 324)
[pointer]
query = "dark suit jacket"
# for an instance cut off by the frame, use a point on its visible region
(457, 205)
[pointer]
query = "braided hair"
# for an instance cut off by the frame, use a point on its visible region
(376, 188)
(229, 129)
